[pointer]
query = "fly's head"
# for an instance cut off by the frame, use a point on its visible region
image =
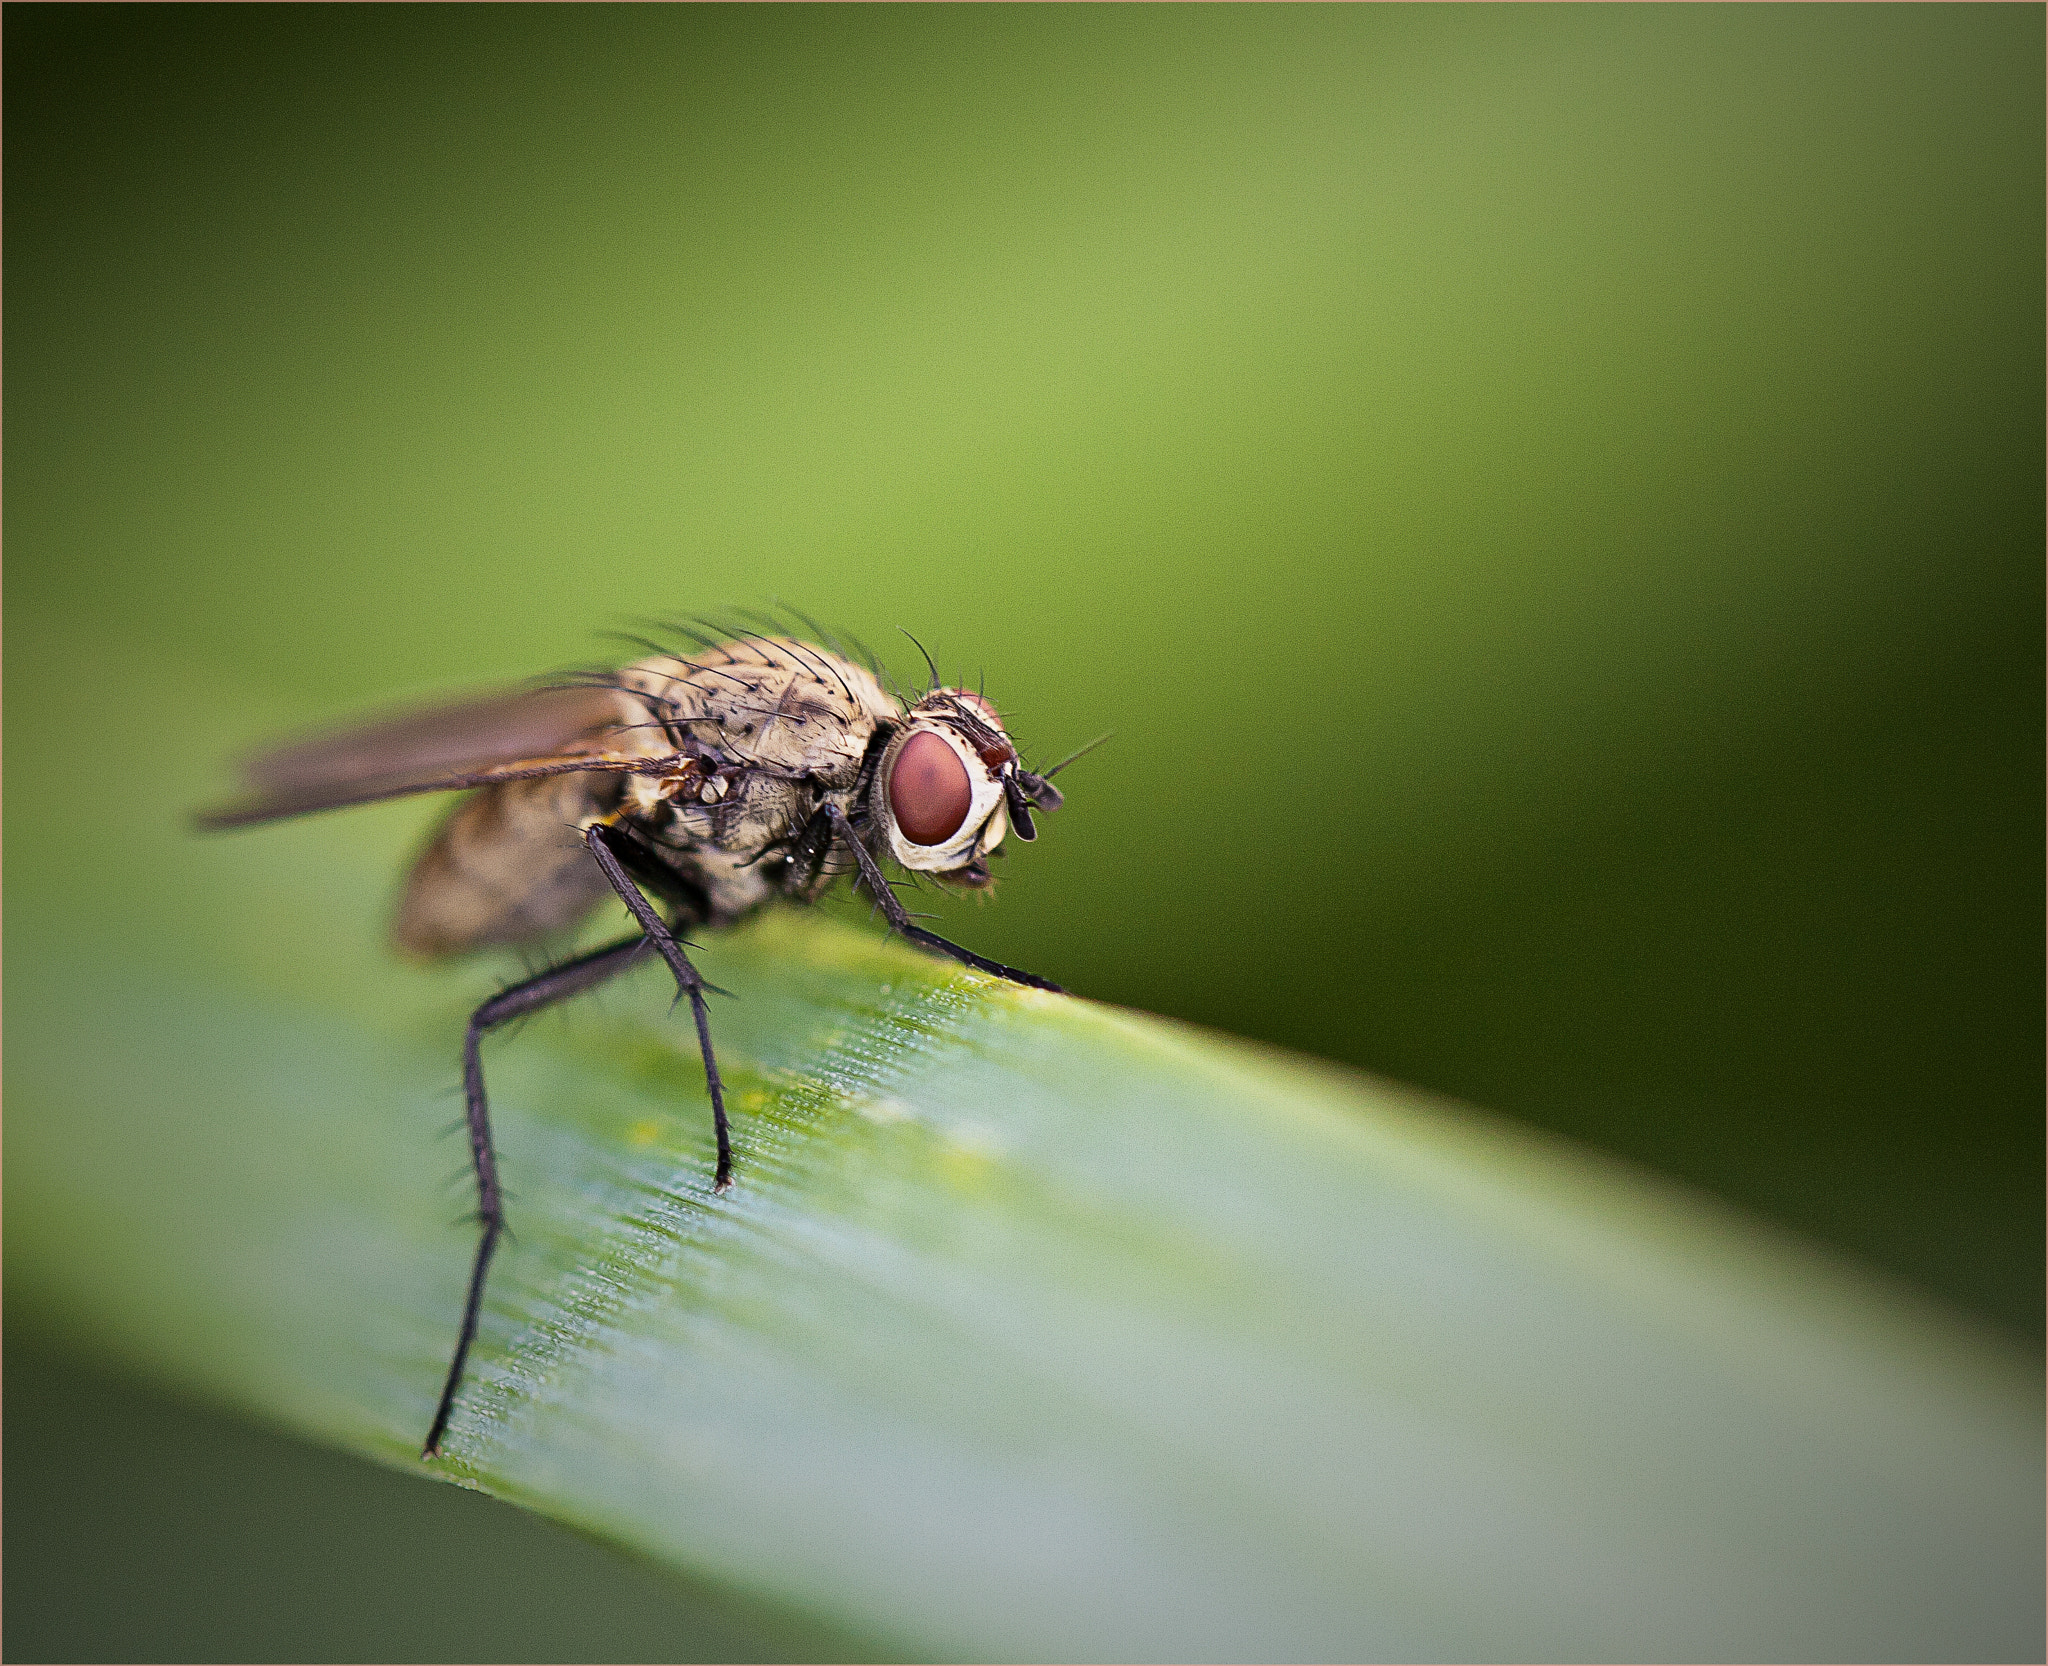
(950, 787)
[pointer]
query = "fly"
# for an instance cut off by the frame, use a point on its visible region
(694, 786)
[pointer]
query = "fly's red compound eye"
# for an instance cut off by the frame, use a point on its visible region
(929, 793)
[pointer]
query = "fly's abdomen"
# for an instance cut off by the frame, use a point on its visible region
(507, 866)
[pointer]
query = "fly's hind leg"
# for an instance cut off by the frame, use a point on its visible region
(613, 851)
(900, 921)
(558, 983)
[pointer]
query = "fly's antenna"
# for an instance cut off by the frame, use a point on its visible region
(1047, 775)
(929, 666)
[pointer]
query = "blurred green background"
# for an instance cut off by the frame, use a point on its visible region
(1549, 499)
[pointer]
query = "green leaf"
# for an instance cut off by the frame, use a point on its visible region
(1033, 1329)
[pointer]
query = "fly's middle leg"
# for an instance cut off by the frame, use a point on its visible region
(606, 845)
(807, 856)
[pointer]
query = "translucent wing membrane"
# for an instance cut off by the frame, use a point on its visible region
(512, 736)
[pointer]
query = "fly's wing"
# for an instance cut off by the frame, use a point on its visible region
(520, 735)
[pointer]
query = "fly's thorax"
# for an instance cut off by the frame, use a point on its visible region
(742, 811)
(939, 792)
(768, 702)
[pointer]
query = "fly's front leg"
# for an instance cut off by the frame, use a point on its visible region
(557, 984)
(900, 921)
(599, 841)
